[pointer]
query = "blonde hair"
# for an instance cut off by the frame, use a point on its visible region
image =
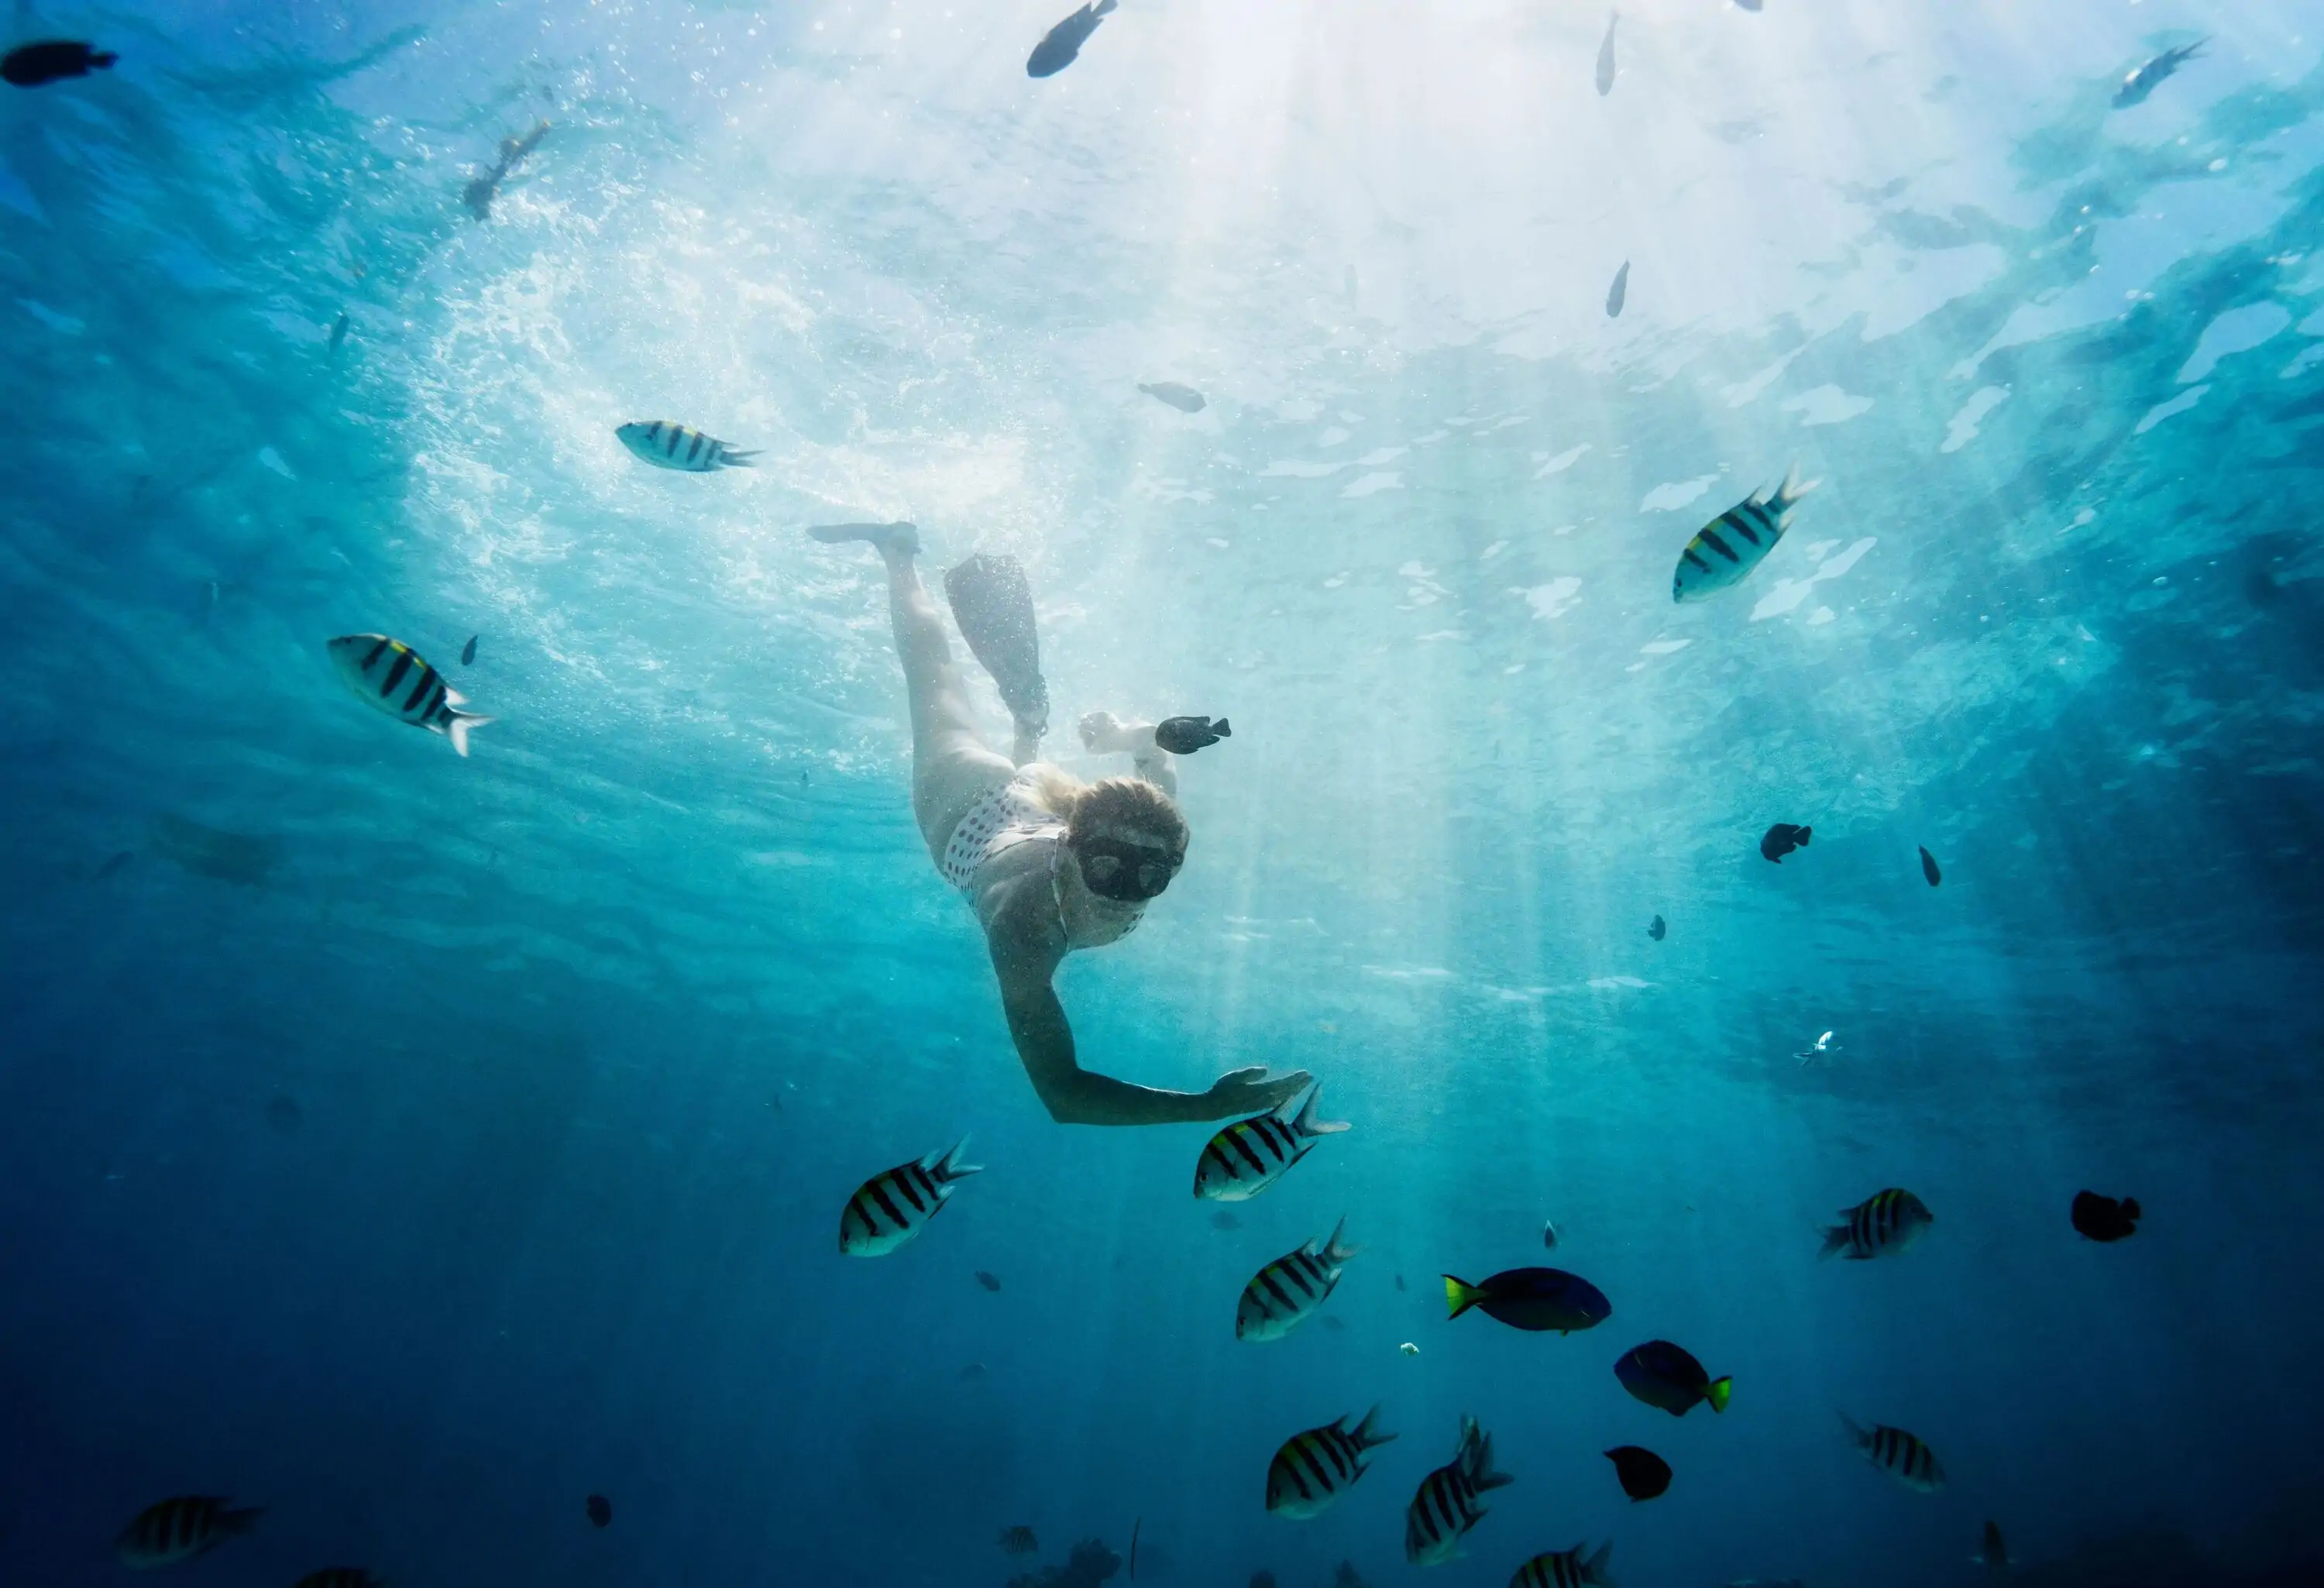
(1125, 802)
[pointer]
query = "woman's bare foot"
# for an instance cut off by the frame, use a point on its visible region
(891, 539)
(1103, 734)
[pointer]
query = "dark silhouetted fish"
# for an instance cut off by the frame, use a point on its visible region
(988, 1281)
(1668, 1376)
(2144, 79)
(1657, 929)
(1332, 1322)
(1345, 1575)
(1018, 1540)
(113, 865)
(468, 652)
(283, 1113)
(50, 61)
(1993, 1555)
(600, 1510)
(1224, 1220)
(2103, 1218)
(479, 195)
(1183, 735)
(1185, 399)
(1643, 1475)
(1262, 1578)
(1060, 45)
(974, 1370)
(1751, 5)
(1619, 292)
(1538, 1299)
(1782, 838)
(1928, 868)
(1548, 1235)
(1606, 56)
(339, 332)
(339, 1577)
(1899, 1454)
(210, 851)
(1399, 1284)
(179, 1529)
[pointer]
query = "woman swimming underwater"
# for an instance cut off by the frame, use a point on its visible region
(1049, 862)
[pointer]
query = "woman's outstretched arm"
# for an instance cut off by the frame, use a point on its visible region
(1076, 1097)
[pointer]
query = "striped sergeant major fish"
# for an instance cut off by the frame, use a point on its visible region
(1289, 1292)
(1993, 1555)
(666, 444)
(1566, 1569)
(1899, 1454)
(1881, 1225)
(1316, 1468)
(894, 1205)
(395, 678)
(1250, 1155)
(179, 1529)
(1738, 541)
(1448, 1505)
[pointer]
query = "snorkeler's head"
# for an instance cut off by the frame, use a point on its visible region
(1127, 836)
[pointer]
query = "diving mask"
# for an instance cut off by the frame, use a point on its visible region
(1130, 872)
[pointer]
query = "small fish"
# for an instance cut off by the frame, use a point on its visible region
(1899, 1454)
(1286, 1293)
(2102, 1218)
(1822, 1046)
(1020, 1540)
(988, 1281)
(1643, 1474)
(1409, 1349)
(600, 1510)
(1566, 1570)
(1224, 1220)
(1447, 1504)
(1606, 56)
(1183, 735)
(894, 1205)
(1883, 1224)
(1993, 1555)
(179, 1529)
(1250, 1155)
(1399, 1284)
(1751, 5)
(1658, 928)
(1538, 1299)
(1665, 1376)
(666, 444)
(479, 195)
(1781, 839)
(1315, 1468)
(1136, 1524)
(1619, 292)
(1726, 549)
(339, 1577)
(2142, 80)
(1549, 1235)
(1332, 1322)
(1928, 868)
(113, 865)
(395, 679)
(1060, 45)
(1262, 1578)
(468, 652)
(283, 1113)
(339, 332)
(1346, 1576)
(974, 1370)
(1185, 399)
(51, 60)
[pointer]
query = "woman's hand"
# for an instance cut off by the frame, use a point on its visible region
(1103, 734)
(1253, 1091)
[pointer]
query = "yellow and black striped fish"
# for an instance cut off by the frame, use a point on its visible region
(1735, 542)
(1315, 1468)
(1250, 1155)
(666, 444)
(179, 1529)
(1899, 1454)
(395, 678)
(1286, 1292)
(1881, 1225)
(1448, 1505)
(1565, 1569)
(339, 1577)
(894, 1205)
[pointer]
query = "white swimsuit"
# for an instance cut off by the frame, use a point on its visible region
(1009, 815)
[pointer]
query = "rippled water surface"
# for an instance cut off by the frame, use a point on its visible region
(415, 1145)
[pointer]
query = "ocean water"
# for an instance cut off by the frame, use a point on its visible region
(414, 1146)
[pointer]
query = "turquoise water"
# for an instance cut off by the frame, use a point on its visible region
(414, 1146)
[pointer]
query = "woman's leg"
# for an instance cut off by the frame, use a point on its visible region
(951, 767)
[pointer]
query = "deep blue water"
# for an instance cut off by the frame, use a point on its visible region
(414, 1146)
